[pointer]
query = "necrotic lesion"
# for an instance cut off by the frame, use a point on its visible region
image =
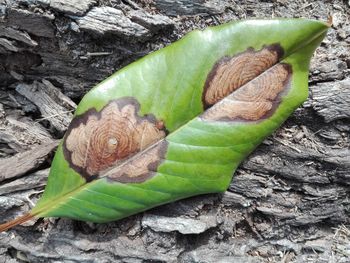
(231, 73)
(96, 141)
(255, 100)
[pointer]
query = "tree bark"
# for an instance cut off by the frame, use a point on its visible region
(288, 202)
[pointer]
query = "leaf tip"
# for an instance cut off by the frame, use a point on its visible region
(329, 22)
(15, 222)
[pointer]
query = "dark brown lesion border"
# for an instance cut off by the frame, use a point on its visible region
(80, 119)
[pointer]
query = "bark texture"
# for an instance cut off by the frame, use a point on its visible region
(288, 202)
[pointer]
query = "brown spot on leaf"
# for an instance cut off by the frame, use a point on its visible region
(256, 100)
(230, 73)
(96, 141)
(140, 167)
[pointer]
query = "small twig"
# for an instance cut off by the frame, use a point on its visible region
(30, 201)
(96, 54)
(33, 193)
(54, 115)
(305, 6)
(36, 192)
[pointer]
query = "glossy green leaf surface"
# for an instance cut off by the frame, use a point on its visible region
(187, 116)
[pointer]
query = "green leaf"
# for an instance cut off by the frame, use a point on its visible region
(179, 121)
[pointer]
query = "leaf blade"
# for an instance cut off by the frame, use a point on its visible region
(191, 136)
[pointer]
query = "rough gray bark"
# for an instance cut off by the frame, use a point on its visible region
(288, 202)
(54, 107)
(25, 162)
